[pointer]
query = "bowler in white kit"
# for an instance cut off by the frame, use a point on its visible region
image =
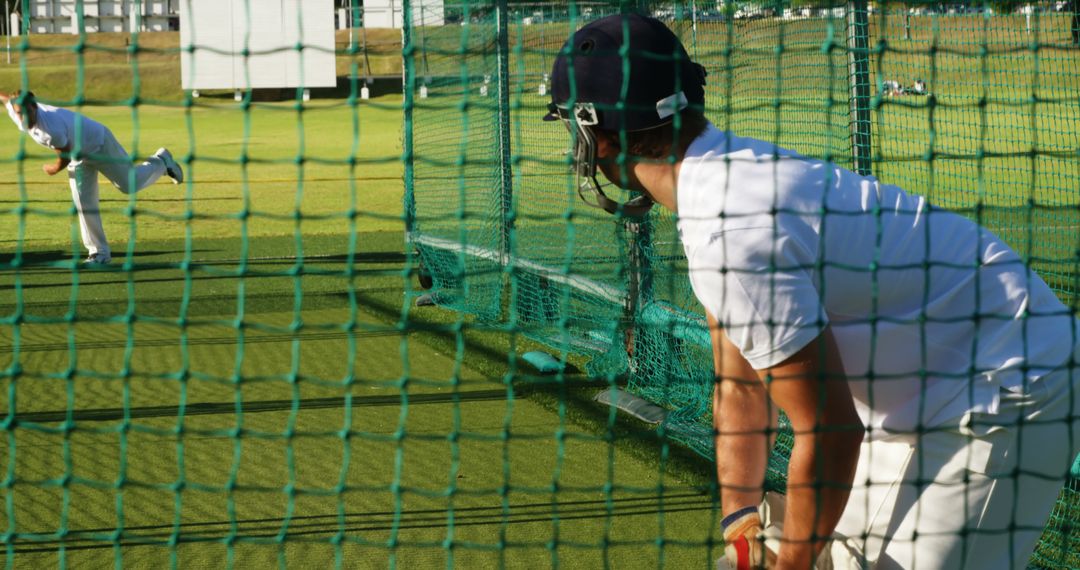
(86, 148)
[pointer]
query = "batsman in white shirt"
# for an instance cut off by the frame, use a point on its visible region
(929, 375)
(85, 148)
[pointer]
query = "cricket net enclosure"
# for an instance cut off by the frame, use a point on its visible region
(973, 106)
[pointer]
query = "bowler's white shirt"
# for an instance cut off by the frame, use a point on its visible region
(933, 314)
(58, 128)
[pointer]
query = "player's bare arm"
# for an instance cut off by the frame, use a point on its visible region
(5, 97)
(742, 419)
(811, 388)
(63, 158)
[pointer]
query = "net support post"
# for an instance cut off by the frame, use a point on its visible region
(858, 43)
(506, 189)
(408, 79)
(639, 291)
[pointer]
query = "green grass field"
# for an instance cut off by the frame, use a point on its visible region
(269, 418)
(249, 383)
(165, 408)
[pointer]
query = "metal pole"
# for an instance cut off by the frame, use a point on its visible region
(7, 28)
(1076, 22)
(639, 287)
(506, 193)
(349, 23)
(859, 77)
(409, 80)
(365, 91)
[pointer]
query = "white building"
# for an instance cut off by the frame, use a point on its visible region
(63, 17)
(391, 13)
(220, 31)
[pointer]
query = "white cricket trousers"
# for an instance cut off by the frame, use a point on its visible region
(115, 163)
(975, 497)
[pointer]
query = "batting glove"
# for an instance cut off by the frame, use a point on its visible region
(744, 546)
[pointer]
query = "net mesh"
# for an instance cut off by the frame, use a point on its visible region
(971, 106)
(248, 383)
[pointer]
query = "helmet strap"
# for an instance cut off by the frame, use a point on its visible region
(589, 188)
(634, 208)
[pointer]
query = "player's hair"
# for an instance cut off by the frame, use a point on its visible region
(27, 97)
(660, 142)
(29, 104)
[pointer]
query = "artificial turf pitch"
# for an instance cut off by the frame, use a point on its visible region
(162, 413)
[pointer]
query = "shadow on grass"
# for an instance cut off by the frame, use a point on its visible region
(49, 259)
(61, 265)
(379, 291)
(570, 393)
(370, 257)
(330, 525)
(248, 407)
(35, 258)
(122, 200)
(246, 339)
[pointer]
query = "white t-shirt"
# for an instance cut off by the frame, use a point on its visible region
(56, 128)
(933, 314)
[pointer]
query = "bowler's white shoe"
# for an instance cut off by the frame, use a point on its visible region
(98, 258)
(172, 168)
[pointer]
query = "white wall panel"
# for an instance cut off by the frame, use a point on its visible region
(61, 16)
(391, 13)
(270, 29)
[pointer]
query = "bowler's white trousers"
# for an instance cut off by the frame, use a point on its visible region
(975, 497)
(114, 162)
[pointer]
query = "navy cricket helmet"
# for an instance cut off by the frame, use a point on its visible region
(631, 69)
(627, 73)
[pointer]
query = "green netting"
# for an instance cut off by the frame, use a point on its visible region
(972, 106)
(249, 385)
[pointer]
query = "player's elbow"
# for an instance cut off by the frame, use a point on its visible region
(837, 427)
(830, 415)
(846, 443)
(850, 434)
(846, 425)
(843, 436)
